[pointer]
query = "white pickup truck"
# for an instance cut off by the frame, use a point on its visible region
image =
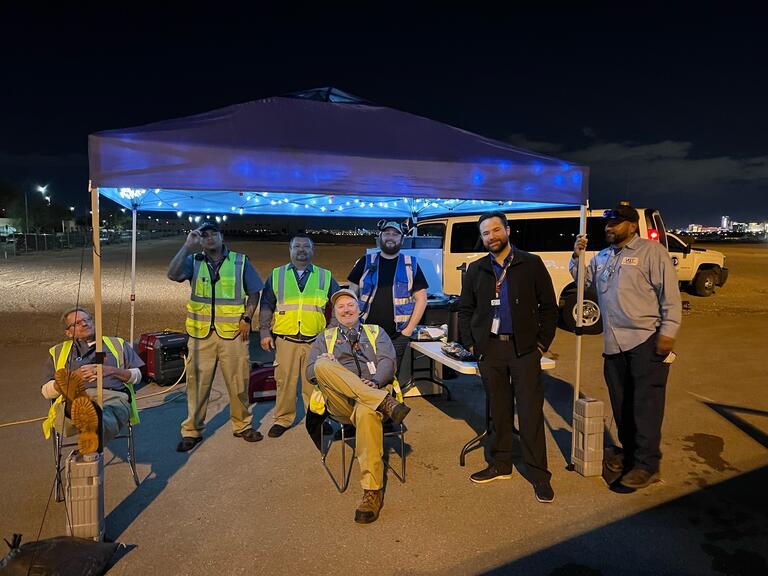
(698, 270)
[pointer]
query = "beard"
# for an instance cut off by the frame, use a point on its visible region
(496, 246)
(390, 248)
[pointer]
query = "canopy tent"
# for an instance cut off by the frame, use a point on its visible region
(319, 153)
(322, 153)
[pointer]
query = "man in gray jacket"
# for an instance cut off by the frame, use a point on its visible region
(354, 365)
(639, 299)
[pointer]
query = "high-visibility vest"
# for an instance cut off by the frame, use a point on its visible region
(300, 312)
(402, 298)
(317, 400)
(60, 355)
(227, 296)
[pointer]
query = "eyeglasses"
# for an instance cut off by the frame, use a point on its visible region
(82, 322)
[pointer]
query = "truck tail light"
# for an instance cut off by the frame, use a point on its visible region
(653, 234)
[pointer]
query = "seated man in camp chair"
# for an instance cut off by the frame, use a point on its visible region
(353, 365)
(70, 380)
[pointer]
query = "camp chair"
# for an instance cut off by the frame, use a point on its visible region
(346, 469)
(59, 444)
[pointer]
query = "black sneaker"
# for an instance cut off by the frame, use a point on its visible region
(639, 478)
(188, 442)
(249, 435)
(543, 491)
(276, 431)
(489, 475)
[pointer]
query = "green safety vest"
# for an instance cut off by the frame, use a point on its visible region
(317, 400)
(60, 355)
(227, 296)
(300, 312)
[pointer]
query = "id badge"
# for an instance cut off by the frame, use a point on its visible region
(495, 325)
(496, 302)
(371, 368)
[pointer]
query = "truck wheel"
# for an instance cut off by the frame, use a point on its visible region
(704, 285)
(592, 322)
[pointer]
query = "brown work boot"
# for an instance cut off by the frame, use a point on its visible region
(68, 384)
(394, 410)
(85, 417)
(369, 508)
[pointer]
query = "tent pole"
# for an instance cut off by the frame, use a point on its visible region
(579, 321)
(95, 222)
(133, 272)
(99, 343)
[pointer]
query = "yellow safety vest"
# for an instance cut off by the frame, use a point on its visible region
(300, 312)
(227, 296)
(60, 355)
(317, 400)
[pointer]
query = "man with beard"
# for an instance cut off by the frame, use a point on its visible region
(639, 300)
(354, 366)
(293, 308)
(507, 317)
(392, 288)
(71, 379)
(225, 294)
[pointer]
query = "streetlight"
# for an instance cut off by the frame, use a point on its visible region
(42, 190)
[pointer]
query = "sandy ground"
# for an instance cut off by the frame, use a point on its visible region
(235, 508)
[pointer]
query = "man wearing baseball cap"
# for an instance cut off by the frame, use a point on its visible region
(353, 364)
(392, 288)
(225, 294)
(639, 298)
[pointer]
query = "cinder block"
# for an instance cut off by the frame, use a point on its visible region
(588, 468)
(84, 496)
(588, 407)
(591, 425)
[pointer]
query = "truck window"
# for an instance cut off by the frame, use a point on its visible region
(465, 238)
(436, 229)
(673, 245)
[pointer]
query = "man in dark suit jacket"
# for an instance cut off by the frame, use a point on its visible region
(508, 317)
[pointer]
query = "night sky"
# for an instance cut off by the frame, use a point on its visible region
(667, 112)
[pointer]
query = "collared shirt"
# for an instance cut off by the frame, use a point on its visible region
(384, 359)
(269, 300)
(503, 311)
(83, 353)
(638, 293)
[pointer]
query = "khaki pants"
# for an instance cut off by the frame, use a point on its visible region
(290, 363)
(205, 354)
(350, 401)
(114, 416)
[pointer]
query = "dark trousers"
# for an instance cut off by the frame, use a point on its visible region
(512, 379)
(401, 344)
(637, 382)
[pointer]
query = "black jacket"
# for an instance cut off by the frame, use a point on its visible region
(531, 298)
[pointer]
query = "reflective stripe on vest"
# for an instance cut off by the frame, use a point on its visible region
(317, 400)
(227, 295)
(402, 298)
(300, 312)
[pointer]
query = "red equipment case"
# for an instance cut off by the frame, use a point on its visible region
(163, 354)
(262, 386)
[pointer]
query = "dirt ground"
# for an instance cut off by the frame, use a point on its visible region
(233, 508)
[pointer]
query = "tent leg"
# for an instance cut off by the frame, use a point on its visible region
(95, 221)
(133, 274)
(579, 322)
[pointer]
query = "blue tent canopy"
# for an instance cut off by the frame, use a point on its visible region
(322, 153)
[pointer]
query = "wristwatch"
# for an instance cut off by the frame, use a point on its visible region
(245, 318)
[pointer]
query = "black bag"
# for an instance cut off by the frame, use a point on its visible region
(60, 556)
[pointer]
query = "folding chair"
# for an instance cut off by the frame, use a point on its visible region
(346, 470)
(59, 444)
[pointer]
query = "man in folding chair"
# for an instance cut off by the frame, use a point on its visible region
(353, 365)
(71, 382)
